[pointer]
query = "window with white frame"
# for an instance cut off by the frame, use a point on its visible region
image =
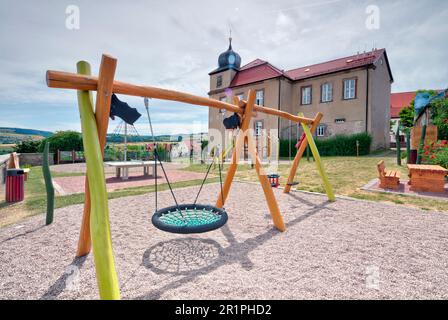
(240, 96)
(349, 89)
(320, 131)
(326, 94)
(306, 95)
(259, 97)
(258, 128)
(219, 81)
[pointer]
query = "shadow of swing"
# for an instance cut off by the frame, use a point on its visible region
(184, 256)
(178, 261)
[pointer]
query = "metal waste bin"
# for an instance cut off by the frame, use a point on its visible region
(14, 185)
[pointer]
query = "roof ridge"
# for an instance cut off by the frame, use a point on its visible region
(245, 67)
(329, 61)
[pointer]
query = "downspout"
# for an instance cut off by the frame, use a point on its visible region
(279, 104)
(367, 100)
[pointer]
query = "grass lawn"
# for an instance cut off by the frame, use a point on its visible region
(347, 175)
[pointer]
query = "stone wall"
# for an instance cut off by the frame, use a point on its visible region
(3, 163)
(34, 159)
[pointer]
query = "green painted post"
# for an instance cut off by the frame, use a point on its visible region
(48, 185)
(99, 218)
(421, 145)
(398, 145)
(408, 145)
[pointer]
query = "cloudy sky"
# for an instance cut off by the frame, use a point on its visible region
(174, 44)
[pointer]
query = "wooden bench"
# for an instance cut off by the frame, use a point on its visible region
(388, 179)
(14, 164)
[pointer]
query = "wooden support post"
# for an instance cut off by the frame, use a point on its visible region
(264, 181)
(320, 167)
(299, 154)
(239, 144)
(102, 111)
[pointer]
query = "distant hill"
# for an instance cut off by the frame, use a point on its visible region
(31, 132)
(15, 135)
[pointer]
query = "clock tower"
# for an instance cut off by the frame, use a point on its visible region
(229, 63)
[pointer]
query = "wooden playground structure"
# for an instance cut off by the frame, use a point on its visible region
(95, 229)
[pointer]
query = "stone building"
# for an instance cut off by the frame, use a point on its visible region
(353, 93)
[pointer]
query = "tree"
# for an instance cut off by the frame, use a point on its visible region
(407, 116)
(439, 116)
(28, 146)
(64, 141)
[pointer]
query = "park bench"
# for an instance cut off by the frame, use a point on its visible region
(14, 164)
(388, 179)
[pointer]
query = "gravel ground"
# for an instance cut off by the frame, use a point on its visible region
(348, 249)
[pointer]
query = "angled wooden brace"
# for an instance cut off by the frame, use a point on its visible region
(299, 154)
(102, 111)
(267, 189)
(320, 167)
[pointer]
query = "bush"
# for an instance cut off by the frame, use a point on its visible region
(338, 145)
(64, 141)
(27, 146)
(436, 153)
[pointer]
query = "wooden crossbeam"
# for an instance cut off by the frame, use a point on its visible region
(67, 80)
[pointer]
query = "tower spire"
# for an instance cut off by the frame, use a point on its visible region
(230, 38)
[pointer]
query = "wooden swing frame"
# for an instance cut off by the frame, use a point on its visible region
(105, 85)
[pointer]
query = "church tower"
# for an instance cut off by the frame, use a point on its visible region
(229, 63)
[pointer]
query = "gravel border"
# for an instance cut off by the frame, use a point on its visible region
(348, 249)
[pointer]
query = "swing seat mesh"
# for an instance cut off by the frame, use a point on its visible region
(189, 218)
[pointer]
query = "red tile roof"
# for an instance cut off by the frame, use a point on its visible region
(341, 64)
(259, 70)
(399, 101)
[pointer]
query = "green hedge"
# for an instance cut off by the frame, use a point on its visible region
(338, 145)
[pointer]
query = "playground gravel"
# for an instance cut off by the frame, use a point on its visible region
(348, 249)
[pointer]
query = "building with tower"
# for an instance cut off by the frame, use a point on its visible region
(352, 92)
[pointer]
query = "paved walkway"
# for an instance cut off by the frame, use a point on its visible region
(76, 184)
(404, 189)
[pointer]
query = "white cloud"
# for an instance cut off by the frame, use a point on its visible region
(174, 44)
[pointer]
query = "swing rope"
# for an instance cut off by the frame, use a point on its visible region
(185, 218)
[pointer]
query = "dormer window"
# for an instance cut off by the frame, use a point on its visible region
(219, 81)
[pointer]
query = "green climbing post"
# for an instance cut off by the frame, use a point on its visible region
(99, 218)
(408, 145)
(421, 145)
(398, 145)
(48, 185)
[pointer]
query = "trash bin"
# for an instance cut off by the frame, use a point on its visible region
(14, 185)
